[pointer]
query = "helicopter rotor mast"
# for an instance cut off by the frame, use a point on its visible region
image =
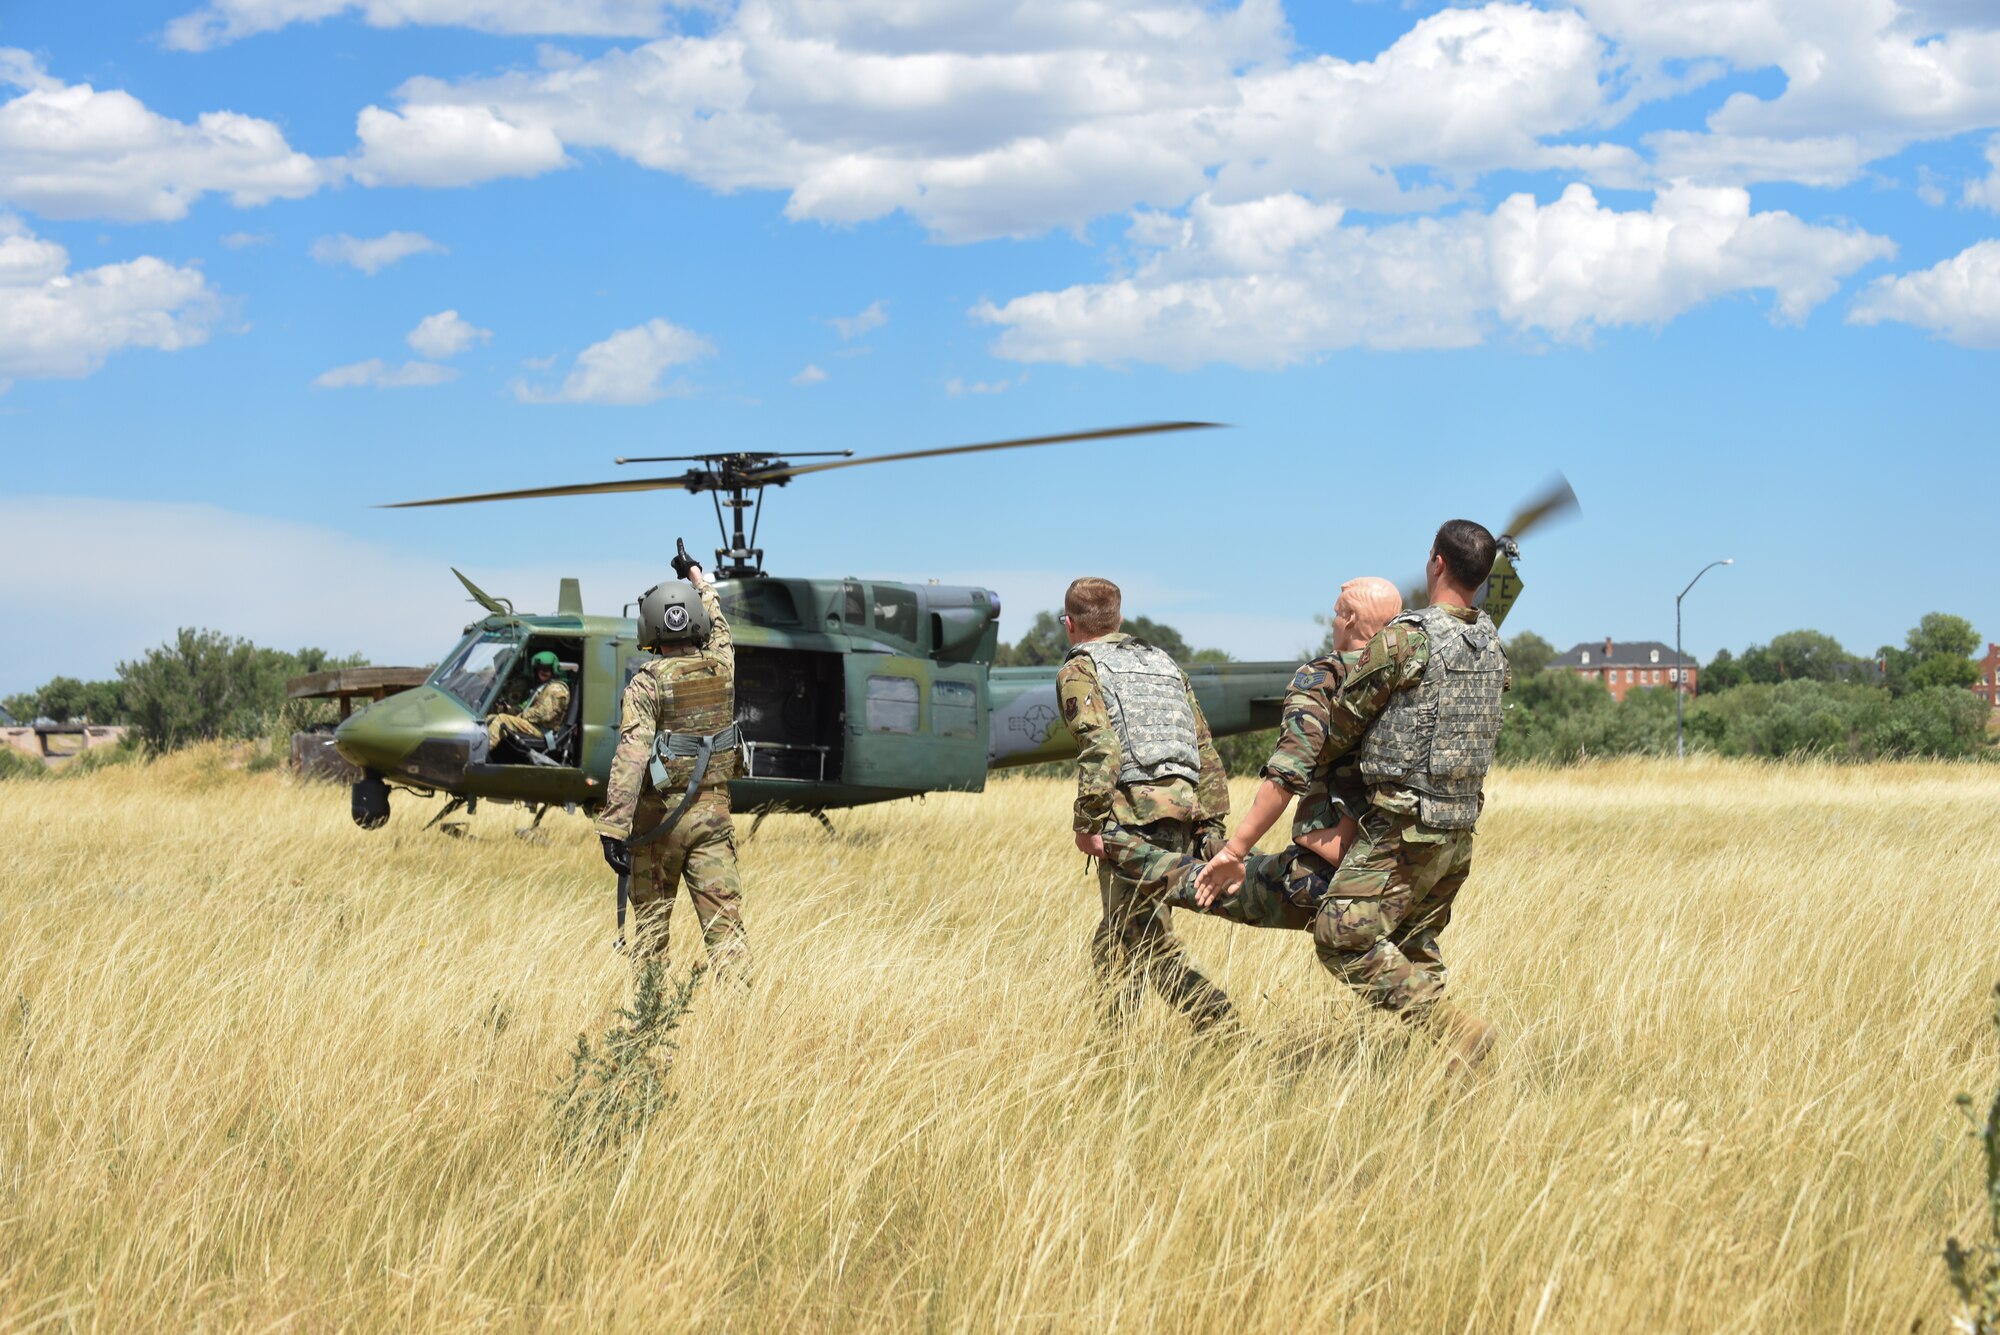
(744, 476)
(739, 557)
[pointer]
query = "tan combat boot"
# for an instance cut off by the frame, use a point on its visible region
(1466, 1037)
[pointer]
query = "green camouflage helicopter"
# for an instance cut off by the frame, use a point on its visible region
(847, 691)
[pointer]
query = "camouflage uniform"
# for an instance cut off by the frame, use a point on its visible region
(685, 690)
(1378, 927)
(547, 707)
(1282, 890)
(1174, 816)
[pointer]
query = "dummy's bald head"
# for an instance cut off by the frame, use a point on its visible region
(1364, 607)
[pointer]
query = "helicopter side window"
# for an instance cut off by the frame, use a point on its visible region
(895, 611)
(853, 607)
(954, 708)
(892, 704)
(471, 673)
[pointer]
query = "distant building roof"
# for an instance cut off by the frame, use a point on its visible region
(1621, 653)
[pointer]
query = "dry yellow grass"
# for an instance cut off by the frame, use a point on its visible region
(264, 1070)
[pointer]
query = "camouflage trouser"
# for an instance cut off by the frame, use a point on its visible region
(501, 724)
(1377, 929)
(1135, 940)
(1280, 890)
(701, 850)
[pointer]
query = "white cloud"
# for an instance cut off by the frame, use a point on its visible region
(70, 151)
(1283, 279)
(1957, 299)
(956, 386)
(1019, 115)
(371, 255)
(223, 21)
(811, 375)
(378, 374)
(1985, 192)
(1863, 79)
(626, 368)
(449, 146)
(445, 335)
(55, 323)
(851, 327)
(246, 240)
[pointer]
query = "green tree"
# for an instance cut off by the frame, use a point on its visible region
(205, 685)
(67, 700)
(1943, 721)
(1937, 652)
(1724, 672)
(1941, 634)
(1043, 645)
(1528, 653)
(1162, 636)
(1808, 655)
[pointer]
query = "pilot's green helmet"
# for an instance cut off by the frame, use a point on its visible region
(544, 659)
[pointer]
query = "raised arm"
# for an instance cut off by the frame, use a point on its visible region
(721, 646)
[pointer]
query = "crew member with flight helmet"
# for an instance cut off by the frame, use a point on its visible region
(544, 710)
(666, 809)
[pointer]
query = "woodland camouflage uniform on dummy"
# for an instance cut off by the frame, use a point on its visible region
(1283, 889)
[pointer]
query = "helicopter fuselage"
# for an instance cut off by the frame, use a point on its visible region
(848, 692)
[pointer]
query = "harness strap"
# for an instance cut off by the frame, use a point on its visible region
(679, 746)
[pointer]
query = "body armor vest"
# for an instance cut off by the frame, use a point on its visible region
(699, 700)
(1437, 737)
(1147, 698)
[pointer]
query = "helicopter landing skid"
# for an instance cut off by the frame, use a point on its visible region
(534, 833)
(817, 814)
(456, 829)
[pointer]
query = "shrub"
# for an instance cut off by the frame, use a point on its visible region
(616, 1088)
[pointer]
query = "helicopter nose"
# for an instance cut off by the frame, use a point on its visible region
(422, 735)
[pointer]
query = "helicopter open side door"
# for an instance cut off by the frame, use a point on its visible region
(915, 724)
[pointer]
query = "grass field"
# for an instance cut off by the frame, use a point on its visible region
(266, 1071)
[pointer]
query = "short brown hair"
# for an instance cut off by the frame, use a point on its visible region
(1093, 605)
(1468, 550)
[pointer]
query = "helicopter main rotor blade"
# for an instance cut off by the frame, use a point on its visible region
(1107, 433)
(1557, 501)
(532, 493)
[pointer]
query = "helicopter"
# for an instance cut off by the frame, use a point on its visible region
(848, 691)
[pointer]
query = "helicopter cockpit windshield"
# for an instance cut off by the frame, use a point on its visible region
(473, 670)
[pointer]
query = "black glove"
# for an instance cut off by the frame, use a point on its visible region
(617, 855)
(682, 562)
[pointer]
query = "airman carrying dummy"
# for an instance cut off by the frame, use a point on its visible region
(1283, 889)
(1419, 712)
(666, 804)
(545, 709)
(1148, 780)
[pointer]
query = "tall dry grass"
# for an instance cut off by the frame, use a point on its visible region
(266, 1071)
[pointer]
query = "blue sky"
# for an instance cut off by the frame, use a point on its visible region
(265, 264)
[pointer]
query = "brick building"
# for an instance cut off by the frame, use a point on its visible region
(1987, 687)
(1631, 666)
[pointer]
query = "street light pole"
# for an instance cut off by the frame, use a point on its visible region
(1680, 664)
